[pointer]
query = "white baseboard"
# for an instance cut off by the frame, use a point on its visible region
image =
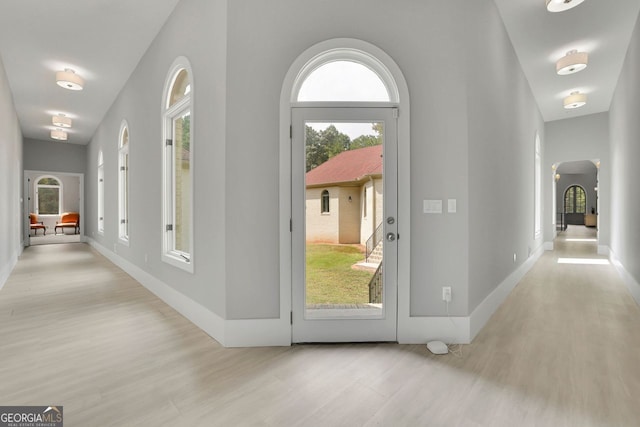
(6, 270)
(420, 330)
(229, 333)
(463, 329)
(481, 314)
(627, 278)
(548, 246)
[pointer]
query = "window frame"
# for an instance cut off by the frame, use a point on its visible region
(36, 191)
(124, 162)
(575, 199)
(177, 258)
(537, 188)
(100, 217)
(325, 196)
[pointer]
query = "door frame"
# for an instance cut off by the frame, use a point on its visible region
(27, 227)
(282, 326)
(363, 326)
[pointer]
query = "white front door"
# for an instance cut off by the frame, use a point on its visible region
(344, 217)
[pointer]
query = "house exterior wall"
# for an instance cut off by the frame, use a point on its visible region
(322, 227)
(349, 215)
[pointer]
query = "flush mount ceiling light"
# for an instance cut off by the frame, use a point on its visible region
(575, 100)
(61, 121)
(561, 5)
(68, 79)
(59, 135)
(572, 62)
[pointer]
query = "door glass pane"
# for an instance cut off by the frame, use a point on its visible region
(343, 224)
(182, 183)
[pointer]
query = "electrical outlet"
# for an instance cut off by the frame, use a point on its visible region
(446, 293)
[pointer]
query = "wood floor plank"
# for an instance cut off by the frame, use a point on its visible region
(563, 350)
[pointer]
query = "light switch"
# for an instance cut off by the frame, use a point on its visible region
(432, 206)
(452, 205)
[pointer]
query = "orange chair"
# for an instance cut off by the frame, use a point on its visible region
(68, 219)
(37, 225)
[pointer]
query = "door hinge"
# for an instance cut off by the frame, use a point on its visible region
(123, 221)
(291, 317)
(123, 168)
(395, 112)
(290, 132)
(290, 225)
(169, 142)
(169, 227)
(101, 180)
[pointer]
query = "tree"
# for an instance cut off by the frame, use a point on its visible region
(368, 140)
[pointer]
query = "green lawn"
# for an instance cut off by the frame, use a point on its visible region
(330, 278)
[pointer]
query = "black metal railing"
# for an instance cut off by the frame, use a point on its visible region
(375, 287)
(373, 241)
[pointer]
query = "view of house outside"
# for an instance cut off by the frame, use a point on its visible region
(343, 210)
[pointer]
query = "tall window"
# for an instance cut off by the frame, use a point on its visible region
(575, 200)
(538, 188)
(100, 193)
(48, 199)
(178, 166)
(123, 183)
(325, 201)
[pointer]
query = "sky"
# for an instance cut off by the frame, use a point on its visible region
(344, 81)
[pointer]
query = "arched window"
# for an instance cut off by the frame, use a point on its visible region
(353, 75)
(177, 115)
(575, 200)
(100, 192)
(325, 202)
(48, 196)
(123, 182)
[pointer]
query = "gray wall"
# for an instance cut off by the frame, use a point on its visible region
(457, 140)
(11, 218)
(196, 29)
(469, 142)
(54, 156)
(503, 121)
(625, 153)
(581, 138)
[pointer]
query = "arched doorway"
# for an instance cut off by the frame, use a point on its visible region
(343, 103)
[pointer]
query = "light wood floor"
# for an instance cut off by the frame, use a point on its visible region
(563, 350)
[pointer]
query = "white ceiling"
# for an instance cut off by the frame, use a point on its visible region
(103, 40)
(601, 28)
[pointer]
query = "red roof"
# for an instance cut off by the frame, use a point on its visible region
(348, 166)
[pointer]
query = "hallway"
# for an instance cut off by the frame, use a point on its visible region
(76, 331)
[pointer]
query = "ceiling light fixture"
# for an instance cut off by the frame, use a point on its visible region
(59, 135)
(562, 5)
(572, 62)
(61, 121)
(68, 79)
(575, 100)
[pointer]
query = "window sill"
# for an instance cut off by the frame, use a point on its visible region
(123, 241)
(178, 261)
